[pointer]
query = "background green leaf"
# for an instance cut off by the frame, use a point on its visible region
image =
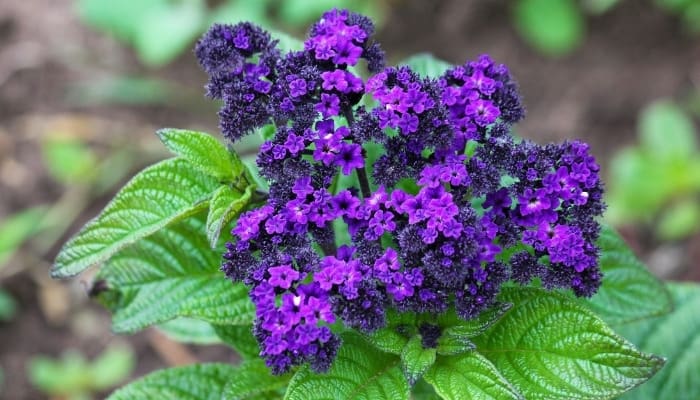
(170, 274)
(666, 132)
(8, 306)
(677, 337)
(554, 27)
(159, 195)
(73, 375)
(193, 382)
(629, 291)
(167, 30)
(679, 220)
(358, 372)
(549, 347)
(16, 229)
(427, 65)
(469, 376)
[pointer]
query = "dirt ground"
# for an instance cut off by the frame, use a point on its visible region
(633, 54)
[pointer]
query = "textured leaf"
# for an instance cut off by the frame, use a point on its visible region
(550, 347)
(174, 273)
(393, 337)
(204, 152)
(427, 65)
(241, 338)
(189, 330)
(455, 326)
(422, 390)
(252, 380)
(193, 382)
(159, 195)
(415, 360)
(226, 204)
(677, 337)
(469, 376)
(358, 372)
(454, 344)
(629, 291)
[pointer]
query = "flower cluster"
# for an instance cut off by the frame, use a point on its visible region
(407, 202)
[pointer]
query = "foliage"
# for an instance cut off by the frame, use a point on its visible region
(144, 25)
(158, 248)
(554, 27)
(688, 10)
(676, 336)
(8, 306)
(73, 377)
(657, 182)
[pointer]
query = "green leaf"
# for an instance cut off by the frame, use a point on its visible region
(72, 375)
(253, 380)
(550, 347)
(455, 326)
(677, 337)
(427, 65)
(666, 132)
(554, 27)
(124, 90)
(286, 42)
(204, 152)
(17, 228)
(599, 6)
(69, 160)
(469, 376)
(112, 367)
(170, 274)
(358, 372)
(168, 30)
(449, 345)
(189, 330)
(679, 220)
(392, 338)
(8, 306)
(120, 18)
(241, 338)
(639, 186)
(226, 205)
(422, 390)
(193, 382)
(158, 196)
(415, 360)
(629, 291)
(68, 375)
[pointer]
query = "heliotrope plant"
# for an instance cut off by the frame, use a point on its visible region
(393, 239)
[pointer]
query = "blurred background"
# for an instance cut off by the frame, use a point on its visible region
(84, 84)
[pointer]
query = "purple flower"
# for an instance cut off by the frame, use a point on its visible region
(283, 276)
(349, 157)
(297, 87)
(450, 193)
(329, 105)
(334, 80)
